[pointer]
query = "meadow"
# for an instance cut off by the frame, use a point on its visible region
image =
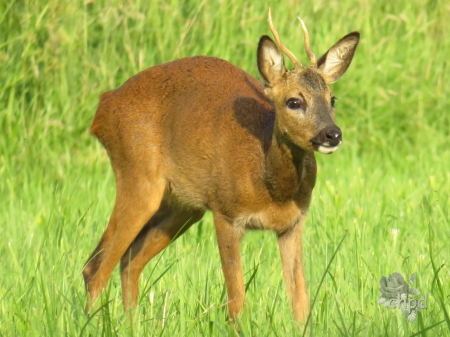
(381, 204)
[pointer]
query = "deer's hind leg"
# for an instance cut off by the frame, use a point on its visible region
(140, 190)
(169, 223)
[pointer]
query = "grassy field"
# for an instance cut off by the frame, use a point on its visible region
(387, 187)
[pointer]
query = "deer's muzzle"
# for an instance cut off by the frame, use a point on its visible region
(328, 139)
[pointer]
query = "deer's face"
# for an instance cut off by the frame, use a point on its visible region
(303, 101)
(305, 110)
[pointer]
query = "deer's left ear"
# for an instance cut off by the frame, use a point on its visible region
(333, 64)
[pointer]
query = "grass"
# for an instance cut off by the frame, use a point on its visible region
(387, 187)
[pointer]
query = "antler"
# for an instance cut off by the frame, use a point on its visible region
(288, 53)
(312, 57)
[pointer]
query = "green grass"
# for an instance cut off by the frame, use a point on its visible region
(388, 185)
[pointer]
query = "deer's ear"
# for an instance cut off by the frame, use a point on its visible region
(333, 64)
(270, 61)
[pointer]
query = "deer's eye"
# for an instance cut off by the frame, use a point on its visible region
(333, 100)
(295, 103)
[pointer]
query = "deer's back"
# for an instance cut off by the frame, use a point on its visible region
(206, 121)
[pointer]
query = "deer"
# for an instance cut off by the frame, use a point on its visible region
(199, 134)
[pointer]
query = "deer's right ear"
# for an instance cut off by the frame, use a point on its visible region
(270, 61)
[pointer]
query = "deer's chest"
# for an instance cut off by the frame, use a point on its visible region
(275, 217)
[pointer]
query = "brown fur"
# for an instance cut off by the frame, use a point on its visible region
(200, 134)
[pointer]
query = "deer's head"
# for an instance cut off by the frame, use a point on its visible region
(303, 101)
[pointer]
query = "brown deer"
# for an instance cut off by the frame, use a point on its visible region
(200, 134)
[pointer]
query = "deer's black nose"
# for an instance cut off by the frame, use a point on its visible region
(330, 136)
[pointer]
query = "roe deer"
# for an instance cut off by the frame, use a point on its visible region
(200, 134)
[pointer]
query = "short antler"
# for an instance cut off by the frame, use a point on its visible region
(288, 53)
(312, 57)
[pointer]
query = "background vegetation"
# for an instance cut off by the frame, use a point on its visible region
(388, 185)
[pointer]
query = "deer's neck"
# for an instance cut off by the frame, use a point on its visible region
(284, 165)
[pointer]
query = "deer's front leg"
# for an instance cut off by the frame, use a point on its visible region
(290, 243)
(228, 239)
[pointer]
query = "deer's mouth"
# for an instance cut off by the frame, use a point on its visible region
(327, 140)
(326, 149)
